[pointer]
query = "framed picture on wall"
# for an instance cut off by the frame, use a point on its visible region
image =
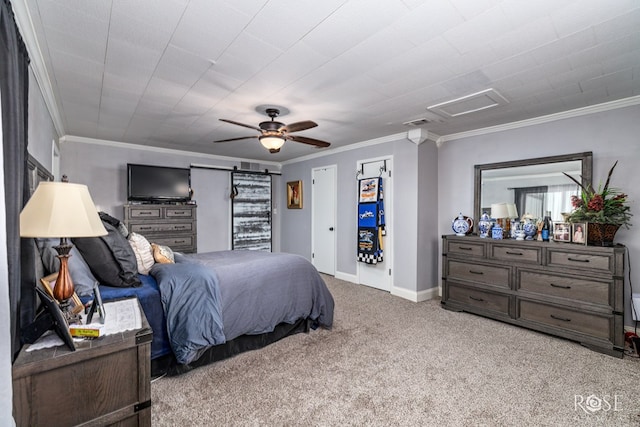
(294, 194)
(579, 233)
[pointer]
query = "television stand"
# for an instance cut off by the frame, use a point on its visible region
(167, 224)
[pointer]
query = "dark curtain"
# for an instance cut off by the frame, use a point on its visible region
(14, 90)
(520, 199)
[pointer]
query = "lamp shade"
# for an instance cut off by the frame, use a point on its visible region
(271, 142)
(499, 210)
(60, 209)
(513, 210)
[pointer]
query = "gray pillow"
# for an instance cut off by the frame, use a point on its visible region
(83, 279)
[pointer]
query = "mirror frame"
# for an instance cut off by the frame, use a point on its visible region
(586, 159)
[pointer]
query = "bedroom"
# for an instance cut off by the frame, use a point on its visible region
(423, 173)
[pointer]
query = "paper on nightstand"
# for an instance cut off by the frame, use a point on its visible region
(121, 316)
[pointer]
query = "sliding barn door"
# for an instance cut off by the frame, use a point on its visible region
(251, 211)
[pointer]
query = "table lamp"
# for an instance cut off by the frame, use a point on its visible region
(61, 210)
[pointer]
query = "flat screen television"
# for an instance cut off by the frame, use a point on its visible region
(147, 183)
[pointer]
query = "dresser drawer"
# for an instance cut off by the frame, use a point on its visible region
(519, 254)
(466, 249)
(175, 242)
(149, 213)
(178, 212)
(570, 287)
(591, 261)
(161, 227)
(594, 325)
(479, 273)
(480, 299)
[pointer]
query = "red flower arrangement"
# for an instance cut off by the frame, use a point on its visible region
(605, 206)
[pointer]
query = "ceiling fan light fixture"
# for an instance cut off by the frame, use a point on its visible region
(271, 143)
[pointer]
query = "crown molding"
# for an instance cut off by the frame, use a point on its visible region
(355, 146)
(37, 65)
(84, 140)
(592, 109)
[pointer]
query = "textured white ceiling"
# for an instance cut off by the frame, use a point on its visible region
(162, 72)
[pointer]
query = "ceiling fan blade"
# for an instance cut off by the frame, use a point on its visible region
(298, 126)
(310, 141)
(241, 124)
(235, 139)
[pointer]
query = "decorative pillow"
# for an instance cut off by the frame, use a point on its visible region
(162, 254)
(83, 279)
(143, 251)
(105, 217)
(110, 258)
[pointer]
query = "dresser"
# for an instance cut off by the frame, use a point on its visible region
(105, 381)
(173, 225)
(568, 290)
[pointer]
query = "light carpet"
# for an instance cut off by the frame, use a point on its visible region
(388, 361)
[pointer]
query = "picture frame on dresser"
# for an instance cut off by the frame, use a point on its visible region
(562, 232)
(579, 233)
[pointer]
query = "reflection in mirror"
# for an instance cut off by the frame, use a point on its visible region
(535, 186)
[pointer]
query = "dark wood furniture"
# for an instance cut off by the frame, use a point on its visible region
(106, 381)
(165, 224)
(563, 289)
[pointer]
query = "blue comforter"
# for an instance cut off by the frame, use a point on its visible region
(212, 297)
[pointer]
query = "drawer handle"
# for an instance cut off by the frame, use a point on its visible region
(476, 272)
(462, 248)
(476, 299)
(145, 228)
(515, 253)
(564, 319)
(145, 213)
(577, 260)
(559, 286)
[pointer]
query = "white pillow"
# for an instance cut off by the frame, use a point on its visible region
(144, 254)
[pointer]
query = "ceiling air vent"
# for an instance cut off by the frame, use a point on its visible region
(478, 101)
(417, 122)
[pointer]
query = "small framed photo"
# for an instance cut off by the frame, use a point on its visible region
(579, 233)
(562, 232)
(294, 194)
(49, 284)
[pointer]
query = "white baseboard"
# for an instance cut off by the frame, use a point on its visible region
(346, 277)
(396, 291)
(413, 295)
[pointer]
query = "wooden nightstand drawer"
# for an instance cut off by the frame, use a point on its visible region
(160, 227)
(480, 299)
(570, 287)
(595, 325)
(466, 248)
(518, 254)
(479, 273)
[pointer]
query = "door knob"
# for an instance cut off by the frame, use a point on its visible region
(330, 228)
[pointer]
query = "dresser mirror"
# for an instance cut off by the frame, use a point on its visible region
(535, 186)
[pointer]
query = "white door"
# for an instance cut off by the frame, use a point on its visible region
(379, 275)
(323, 239)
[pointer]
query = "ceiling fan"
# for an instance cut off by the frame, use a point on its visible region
(273, 134)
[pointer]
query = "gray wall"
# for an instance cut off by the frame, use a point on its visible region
(103, 168)
(414, 194)
(611, 136)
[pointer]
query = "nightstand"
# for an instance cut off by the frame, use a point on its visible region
(105, 381)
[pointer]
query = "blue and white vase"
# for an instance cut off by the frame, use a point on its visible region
(484, 225)
(460, 225)
(530, 229)
(496, 232)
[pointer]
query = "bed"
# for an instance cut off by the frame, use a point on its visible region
(201, 307)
